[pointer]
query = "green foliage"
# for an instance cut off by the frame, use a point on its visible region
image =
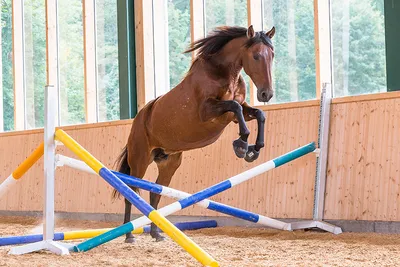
(364, 64)
(72, 93)
(35, 61)
(71, 62)
(8, 83)
(303, 64)
(363, 68)
(179, 39)
(107, 60)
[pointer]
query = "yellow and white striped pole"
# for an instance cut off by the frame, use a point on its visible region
(21, 169)
(165, 225)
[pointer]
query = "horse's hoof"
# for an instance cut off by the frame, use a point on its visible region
(240, 147)
(252, 154)
(130, 240)
(160, 238)
(157, 237)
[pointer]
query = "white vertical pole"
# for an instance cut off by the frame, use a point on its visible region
(48, 243)
(49, 161)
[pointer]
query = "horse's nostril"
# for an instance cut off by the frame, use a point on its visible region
(264, 95)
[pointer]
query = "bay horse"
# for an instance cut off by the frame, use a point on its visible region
(195, 112)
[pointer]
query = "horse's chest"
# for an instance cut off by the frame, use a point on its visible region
(233, 93)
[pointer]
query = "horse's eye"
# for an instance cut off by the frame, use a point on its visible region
(256, 57)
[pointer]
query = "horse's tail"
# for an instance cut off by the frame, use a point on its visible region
(123, 167)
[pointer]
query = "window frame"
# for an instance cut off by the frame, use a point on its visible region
(52, 60)
(142, 83)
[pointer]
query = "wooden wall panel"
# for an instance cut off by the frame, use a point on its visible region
(364, 161)
(284, 192)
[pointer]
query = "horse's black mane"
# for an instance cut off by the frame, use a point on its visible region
(220, 36)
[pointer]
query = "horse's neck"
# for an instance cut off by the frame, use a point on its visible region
(228, 61)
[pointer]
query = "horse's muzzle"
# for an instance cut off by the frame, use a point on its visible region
(265, 95)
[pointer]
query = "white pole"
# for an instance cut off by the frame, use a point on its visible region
(48, 243)
(49, 162)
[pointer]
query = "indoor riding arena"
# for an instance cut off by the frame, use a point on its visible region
(212, 133)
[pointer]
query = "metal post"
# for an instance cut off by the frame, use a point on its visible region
(322, 162)
(323, 144)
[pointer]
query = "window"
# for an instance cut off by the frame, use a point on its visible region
(225, 12)
(6, 70)
(24, 72)
(72, 93)
(107, 60)
(294, 63)
(34, 62)
(178, 39)
(358, 35)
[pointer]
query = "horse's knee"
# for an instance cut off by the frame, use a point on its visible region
(260, 116)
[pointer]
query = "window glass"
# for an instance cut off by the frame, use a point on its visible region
(7, 82)
(178, 39)
(358, 40)
(34, 62)
(107, 60)
(294, 63)
(72, 92)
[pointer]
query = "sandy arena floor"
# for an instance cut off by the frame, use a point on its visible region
(229, 246)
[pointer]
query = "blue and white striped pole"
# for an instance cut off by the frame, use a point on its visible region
(206, 203)
(197, 197)
(178, 195)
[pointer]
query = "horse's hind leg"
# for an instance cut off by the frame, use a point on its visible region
(139, 158)
(166, 169)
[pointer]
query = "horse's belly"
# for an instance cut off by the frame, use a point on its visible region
(189, 137)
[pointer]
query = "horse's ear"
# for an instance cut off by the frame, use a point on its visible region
(250, 32)
(271, 33)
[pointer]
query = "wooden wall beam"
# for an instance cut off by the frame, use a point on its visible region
(89, 44)
(197, 21)
(255, 18)
(144, 52)
(52, 66)
(18, 63)
(322, 37)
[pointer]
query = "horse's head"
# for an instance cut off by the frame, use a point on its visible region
(257, 60)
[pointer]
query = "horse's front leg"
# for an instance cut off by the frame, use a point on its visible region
(251, 113)
(213, 108)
